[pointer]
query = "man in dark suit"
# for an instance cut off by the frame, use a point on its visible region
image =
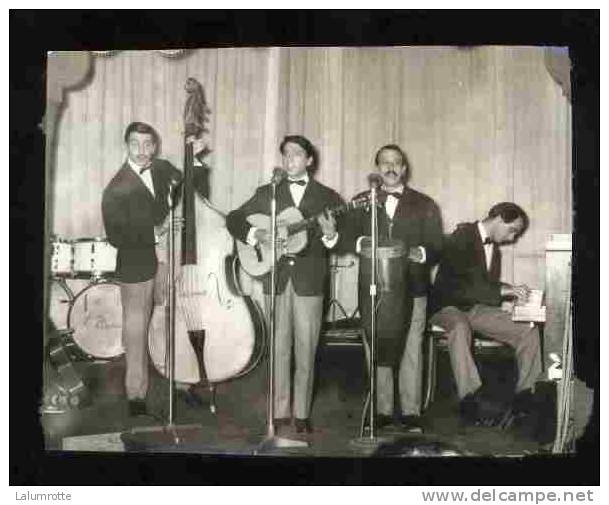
(134, 202)
(414, 220)
(300, 278)
(467, 296)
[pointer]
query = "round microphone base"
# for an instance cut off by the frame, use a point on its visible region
(271, 444)
(368, 445)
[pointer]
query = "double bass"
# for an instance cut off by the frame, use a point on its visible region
(220, 333)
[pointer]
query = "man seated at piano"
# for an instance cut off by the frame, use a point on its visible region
(300, 277)
(467, 297)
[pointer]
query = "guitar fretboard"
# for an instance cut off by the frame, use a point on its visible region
(305, 223)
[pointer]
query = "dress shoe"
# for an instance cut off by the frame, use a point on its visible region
(519, 411)
(522, 404)
(137, 408)
(475, 412)
(469, 409)
(411, 424)
(303, 426)
(380, 421)
(383, 420)
(281, 424)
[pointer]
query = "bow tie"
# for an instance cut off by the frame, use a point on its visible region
(487, 241)
(142, 170)
(394, 194)
(300, 182)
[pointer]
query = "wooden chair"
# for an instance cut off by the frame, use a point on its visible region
(435, 341)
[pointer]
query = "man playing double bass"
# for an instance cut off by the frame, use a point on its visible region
(135, 205)
(300, 278)
(409, 226)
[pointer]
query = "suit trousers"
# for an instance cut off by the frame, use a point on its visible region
(137, 299)
(410, 370)
(496, 324)
(297, 326)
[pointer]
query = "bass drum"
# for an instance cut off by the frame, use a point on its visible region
(60, 298)
(96, 318)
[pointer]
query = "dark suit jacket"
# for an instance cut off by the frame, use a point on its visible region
(310, 265)
(130, 213)
(416, 222)
(463, 279)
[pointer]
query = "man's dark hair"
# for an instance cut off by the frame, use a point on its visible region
(397, 149)
(306, 144)
(509, 212)
(140, 127)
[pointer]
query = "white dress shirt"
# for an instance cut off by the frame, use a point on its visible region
(391, 203)
(297, 190)
(146, 176)
(488, 248)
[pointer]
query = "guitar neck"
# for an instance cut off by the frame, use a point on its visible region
(305, 223)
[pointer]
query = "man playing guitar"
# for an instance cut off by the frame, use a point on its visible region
(300, 277)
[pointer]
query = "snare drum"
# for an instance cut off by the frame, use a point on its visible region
(61, 258)
(96, 318)
(94, 258)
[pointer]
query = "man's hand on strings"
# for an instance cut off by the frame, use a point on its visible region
(327, 223)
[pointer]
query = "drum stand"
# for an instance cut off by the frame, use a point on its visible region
(271, 441)
(334, 304)
(176, 434)
(370, 442)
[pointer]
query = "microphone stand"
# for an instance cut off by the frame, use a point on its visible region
(371, 441)
(271, 441)
(170, 335)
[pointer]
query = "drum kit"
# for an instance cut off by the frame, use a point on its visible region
(84, 300)
(86, 312)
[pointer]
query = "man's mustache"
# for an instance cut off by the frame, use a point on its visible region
(389, 172)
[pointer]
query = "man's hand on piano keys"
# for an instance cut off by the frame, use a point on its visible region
(520, 292)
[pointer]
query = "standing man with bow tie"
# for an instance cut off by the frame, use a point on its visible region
(414, 219)
(467, 297)
(134, 202)
(300, 278)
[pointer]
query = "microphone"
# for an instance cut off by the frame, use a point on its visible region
(375, 180)
(172, 195)
(279, 174)
(175, 179)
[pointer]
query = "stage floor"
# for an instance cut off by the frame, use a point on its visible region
(239, 424)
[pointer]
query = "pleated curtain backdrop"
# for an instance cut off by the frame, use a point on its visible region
(479, 125)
